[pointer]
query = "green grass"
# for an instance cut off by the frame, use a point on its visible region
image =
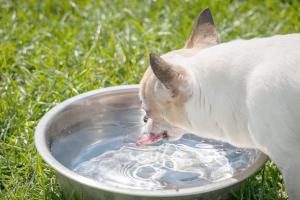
(52, 50)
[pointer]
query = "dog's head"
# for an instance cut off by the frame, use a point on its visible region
(167, 85)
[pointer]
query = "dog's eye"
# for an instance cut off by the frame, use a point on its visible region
(145, 119)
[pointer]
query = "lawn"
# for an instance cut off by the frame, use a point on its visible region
(52, 50)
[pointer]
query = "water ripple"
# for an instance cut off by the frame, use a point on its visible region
(168, 165)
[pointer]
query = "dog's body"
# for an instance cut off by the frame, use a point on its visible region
(245, 92)
(248, 93)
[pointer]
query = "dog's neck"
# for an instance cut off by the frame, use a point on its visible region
(218, 101)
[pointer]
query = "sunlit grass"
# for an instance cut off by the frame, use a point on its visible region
(52, 50)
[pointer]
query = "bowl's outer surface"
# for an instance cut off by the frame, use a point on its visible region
(82, 108)
(74, 190)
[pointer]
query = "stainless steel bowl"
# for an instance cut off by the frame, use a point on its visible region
(67, 119)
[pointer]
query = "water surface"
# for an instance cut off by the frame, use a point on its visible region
(189, 162)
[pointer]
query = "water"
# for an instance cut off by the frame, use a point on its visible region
(188, 162)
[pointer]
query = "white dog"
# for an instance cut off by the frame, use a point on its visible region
(245, 92)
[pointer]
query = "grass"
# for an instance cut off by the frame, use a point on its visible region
(52, 50)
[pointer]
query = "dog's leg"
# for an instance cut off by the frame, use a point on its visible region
(291, 177)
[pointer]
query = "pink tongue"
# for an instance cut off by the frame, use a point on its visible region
(148, 139)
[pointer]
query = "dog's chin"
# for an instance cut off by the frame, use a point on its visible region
(175, 134)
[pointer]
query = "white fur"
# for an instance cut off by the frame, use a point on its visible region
(247, 92)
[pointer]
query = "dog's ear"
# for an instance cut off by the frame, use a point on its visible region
(204, 33)
(173, 77)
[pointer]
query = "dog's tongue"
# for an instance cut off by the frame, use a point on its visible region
(148, 139)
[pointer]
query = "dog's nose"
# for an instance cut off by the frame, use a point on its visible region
(165, 134)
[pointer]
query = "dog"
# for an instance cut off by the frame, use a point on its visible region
(244, 92)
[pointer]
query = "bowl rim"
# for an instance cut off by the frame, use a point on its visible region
(43, 149)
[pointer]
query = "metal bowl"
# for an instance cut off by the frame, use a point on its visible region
(66, 123)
